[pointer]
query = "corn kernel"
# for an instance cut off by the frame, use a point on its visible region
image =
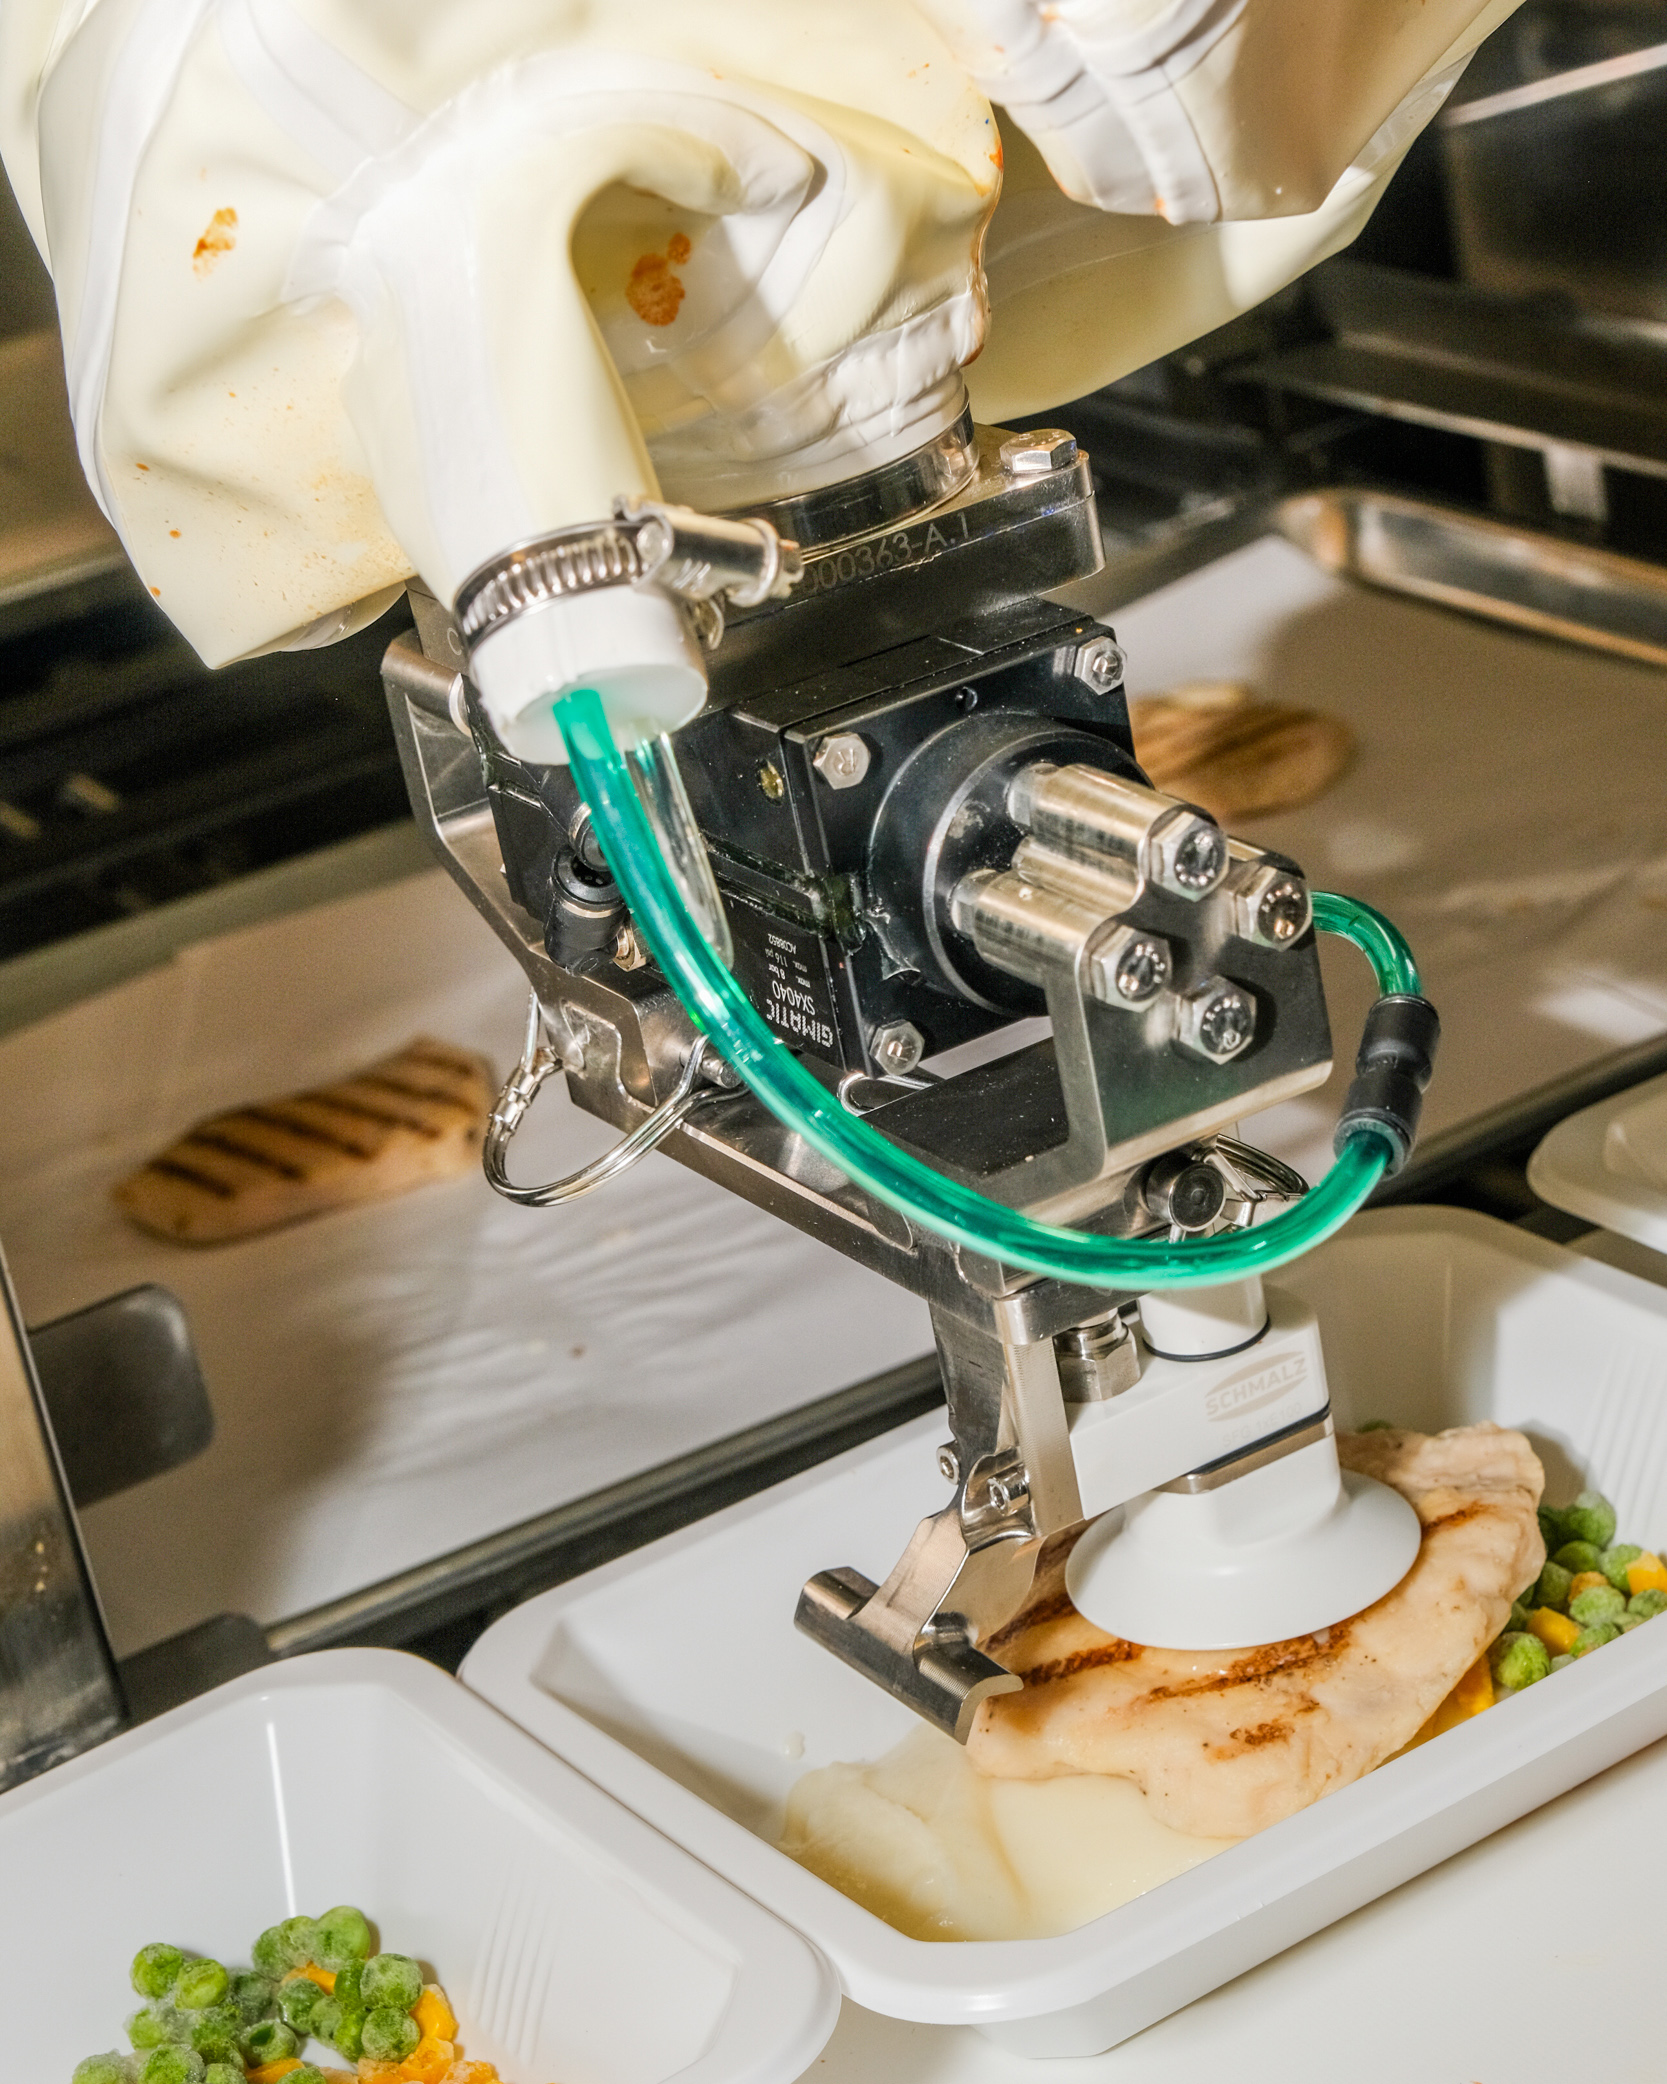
(434, 2016)
(1647, 1574)
(1586, 1581)
(312, 1973)
(1555, 1630)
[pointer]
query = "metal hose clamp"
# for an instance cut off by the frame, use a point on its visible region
(538, 1063)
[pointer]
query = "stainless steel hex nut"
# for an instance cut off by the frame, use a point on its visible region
(1034, 454)
(842, 759)
(1186, 853)
(1129, 968)
(1216, 1020)
(1271, 905)
(897, 1047)
(1099, 664)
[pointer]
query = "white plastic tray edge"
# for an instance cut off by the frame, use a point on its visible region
(1569, 1168)
(779, 1975)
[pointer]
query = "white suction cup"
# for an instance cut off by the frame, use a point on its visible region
(1279, 1552)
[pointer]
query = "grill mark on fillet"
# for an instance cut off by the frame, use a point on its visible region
(171, 1168)
(382, 1083)
(214, 1138)
(307, 1132)
(362, 1111)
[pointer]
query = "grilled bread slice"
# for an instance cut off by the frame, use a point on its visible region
(1214, 743)
(415, 1116)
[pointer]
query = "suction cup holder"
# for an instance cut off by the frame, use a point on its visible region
(1268, 1545)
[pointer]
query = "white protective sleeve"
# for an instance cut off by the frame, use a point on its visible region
(352, 289)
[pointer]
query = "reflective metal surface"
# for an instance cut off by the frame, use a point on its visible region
(1514, 575)
(58, 1688)
(879, 499)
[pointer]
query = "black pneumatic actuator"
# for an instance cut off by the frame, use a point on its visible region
(1391, 1074)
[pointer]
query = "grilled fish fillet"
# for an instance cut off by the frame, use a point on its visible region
(415, 1116)
(1225, 1742)
(1215, 744)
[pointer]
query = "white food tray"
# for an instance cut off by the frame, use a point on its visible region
(577, 1945)
(1609, 1164)
(675, 1677)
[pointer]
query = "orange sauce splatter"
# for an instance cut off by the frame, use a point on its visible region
(216, 242)
(653, 292)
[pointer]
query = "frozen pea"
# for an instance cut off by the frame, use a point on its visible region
(299, 2002)
(1519, 1660)
(269, 1955)
(1552, 1531)
(155, 2026)
(1374, 1425)
(1594, 1637)
(300, 1941)
(1553, 1587)
(173, 2066)
(156, 1969)
(1576, 1556)
(307, 2073)
(201, 1983)
(349, 2037)
(1597, 1603)
(217, 2031)
(1520, 1616)
(1648, 1603)
(270, 2041)
(1615, 1561)
(1590, 1518)
(256, 1996)
(344, 1937)
(390, 2034)
(391, 1980)
(1626, 1623)
(225, 2073)
(103, 2069)
(1564, 1657)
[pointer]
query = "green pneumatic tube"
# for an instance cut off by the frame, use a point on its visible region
(1367, 1149)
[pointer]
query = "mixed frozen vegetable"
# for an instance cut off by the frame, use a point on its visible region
(313, 1981)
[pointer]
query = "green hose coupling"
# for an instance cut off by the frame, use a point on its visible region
(1391, 1075)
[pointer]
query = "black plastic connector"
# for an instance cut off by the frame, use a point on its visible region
(1391, 1074)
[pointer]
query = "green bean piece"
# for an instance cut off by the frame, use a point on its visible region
(1647, 1604)
(1553, 1587)
(269, 1954)
(299, 2002)
(256, 1996)
(1590, 1518)
(173, 2066)
(156, 1969)
(1519, 1618)
(225, 2073)
(155, 2026)
(103, 2069)
(308, 2073)
(1593, 1638)
(1576, 1556)
(1597, 1603)
(349, 1985)
(201, 1983)
(391, 1980)
(1563, 1657)
(1375, 1425)
(217, 2032)
(390, 2034)
(1518, 1660)
(270, 2041)
(1614, 1563)
(300, 1941)
(344, 1937)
